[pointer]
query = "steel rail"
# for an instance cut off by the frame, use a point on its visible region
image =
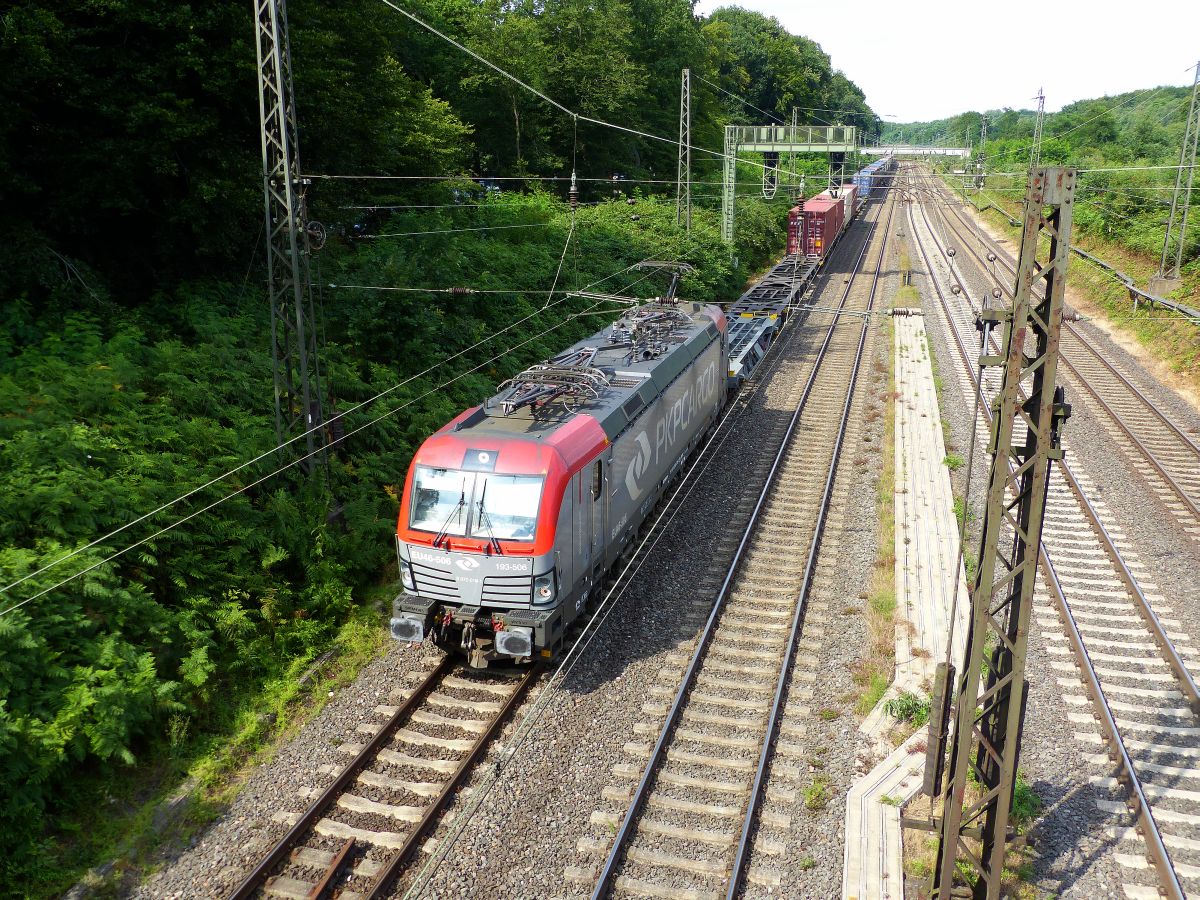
(1187, 314)
(1149, 455)
(1147, 825)
(364, 757)
(327, 880)
(1157, 630)
(1003, 257)
(393, 866)
(643, 787)
(744, 395)
(810, 566)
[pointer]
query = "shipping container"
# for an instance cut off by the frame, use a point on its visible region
(795, 235)
(850, 198)
(823, 219)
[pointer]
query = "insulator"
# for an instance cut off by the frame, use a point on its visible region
(956, 289)
(996, 293)
(951, 252)
(573, 194)
(991, 257)
(461, 290)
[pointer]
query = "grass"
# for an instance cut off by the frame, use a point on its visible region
(818, 794)
(954, 461)
(207, 768)
(873, 684)
(873, 672)
(807, 863)
(910, 709)
(920, 849)
(828, 713)
(960, 510)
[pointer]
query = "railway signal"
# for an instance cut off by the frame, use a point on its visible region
(988, 714)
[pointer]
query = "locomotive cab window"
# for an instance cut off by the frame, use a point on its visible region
(506, 507)
(440, 498)
(597, 479)
(476, 504)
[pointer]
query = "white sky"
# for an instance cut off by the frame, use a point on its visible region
(926, 61)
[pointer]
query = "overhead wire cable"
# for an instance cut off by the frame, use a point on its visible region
(243, 488)
(398, 234)
(260, 457)
(739, 99)
(570, 112)
(588, 633)
(590, 310)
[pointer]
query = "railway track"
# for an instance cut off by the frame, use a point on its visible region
(1135, 667)
(355, 839)
(694, 816)
(1159, 449)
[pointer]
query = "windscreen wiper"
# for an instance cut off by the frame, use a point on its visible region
(462, 501)
(486, 520)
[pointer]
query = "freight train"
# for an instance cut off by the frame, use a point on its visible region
(815, 225)
(515, 510)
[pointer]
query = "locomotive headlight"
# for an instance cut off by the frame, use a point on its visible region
(543, 588)
(406, 577)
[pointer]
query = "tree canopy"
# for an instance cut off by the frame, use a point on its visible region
(134, 335)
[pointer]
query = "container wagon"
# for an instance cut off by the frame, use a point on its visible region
(849, 196)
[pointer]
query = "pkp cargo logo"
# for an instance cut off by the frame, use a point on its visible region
(638, 465)
(467, 564)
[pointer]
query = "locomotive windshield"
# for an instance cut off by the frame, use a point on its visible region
(476, 504)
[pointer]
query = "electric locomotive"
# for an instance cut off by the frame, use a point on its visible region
(513, 512)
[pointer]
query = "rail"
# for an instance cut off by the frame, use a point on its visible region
(1147, 825)
(1184, 497)
(1189, 313)
(810, 565)
(642, 790)
(370, 751)
(1157, 630)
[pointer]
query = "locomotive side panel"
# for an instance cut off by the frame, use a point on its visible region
(658, 441)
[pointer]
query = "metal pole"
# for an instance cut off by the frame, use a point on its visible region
(729, 183)
(973, 831)
(1182, 194)
(683, 178)
(293, 333)
(1035, 153)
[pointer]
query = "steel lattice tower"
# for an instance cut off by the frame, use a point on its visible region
(1035, 152)
(983, 124)
(683, 176)
(293, 334)
(1181, 199)
(987, 724)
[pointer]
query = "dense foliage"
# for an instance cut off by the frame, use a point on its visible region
(1130, 131)
(134, 360)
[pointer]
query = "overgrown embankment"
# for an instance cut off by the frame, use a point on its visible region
(1166, 336)
(182, 654)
